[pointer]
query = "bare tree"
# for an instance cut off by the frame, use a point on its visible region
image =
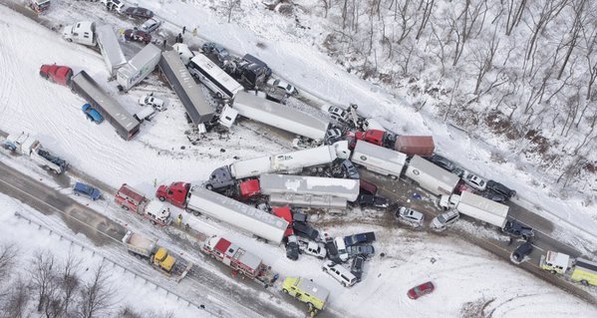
(514, 14)
(427, 10)
(485, 60)
(326, 7)
(8, 255)
(230, 6)
(96, 295)
(42, 275)
(579, 17)
(16, 301)
(69, 281)
(548, 12)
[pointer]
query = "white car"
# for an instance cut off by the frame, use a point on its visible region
(150, 100)
(440, 222)
(289, 89)
(475, 181)
(338, 114)
(151, 25)
(341, 247)
(410, 217)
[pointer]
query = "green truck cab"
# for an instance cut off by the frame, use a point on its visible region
(308, 292)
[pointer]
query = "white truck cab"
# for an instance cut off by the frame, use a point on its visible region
(116, 5)
(82, 32)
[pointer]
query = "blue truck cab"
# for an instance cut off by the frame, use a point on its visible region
(92, 114)
(87, 190)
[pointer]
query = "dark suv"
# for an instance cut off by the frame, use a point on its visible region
(305, 230)
(500, 188)
(442, 162)
(521, 252)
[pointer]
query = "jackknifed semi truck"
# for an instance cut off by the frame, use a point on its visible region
(137, 68)
(293, 162)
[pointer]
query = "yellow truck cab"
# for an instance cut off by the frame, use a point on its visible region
(164, 260)
(306, 291)
(585, 272)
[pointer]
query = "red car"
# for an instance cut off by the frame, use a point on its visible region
(137, 35)
(56, 73)
(418, 291)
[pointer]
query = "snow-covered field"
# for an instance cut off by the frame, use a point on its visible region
(464, 274)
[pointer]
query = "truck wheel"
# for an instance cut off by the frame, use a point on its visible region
(162, 199)
(152, 222)
(126, 208)
(209, 187)
(195, 213)
(285, 291)
(584, 282)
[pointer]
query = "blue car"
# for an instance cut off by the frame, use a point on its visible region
(87, 190)
(92, 114)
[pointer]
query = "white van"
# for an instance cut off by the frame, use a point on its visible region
(340, 273)
(341, 247)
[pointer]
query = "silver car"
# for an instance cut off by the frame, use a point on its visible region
(151, 25)
(410, 217)
(440, 222)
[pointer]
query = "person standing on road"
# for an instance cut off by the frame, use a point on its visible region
(184, 29)
(164, 44)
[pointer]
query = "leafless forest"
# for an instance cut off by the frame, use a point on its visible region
(50, 286)
(523, 70)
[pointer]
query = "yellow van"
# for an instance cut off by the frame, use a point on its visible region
(306, 291)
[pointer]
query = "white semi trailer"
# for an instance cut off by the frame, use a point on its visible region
(477, 207)
(431, 177)
(292, 162)
(378, 159)
(245, 217)
(279, 116)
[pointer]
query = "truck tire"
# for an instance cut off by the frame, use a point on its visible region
(162, 198)
(69, 40)
(126, 208)
(584, 282)
(285, 291)
(152, 222)
(209, 187)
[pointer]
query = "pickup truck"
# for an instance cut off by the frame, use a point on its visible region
(87, 190)
(361, 238)
(312, 248)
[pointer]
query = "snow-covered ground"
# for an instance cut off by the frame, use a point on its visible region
(463, 273)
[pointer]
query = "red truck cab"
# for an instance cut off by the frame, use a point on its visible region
(56, 73)
(373, 136)
(176, 193)
(284, 213)
(248, 189)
